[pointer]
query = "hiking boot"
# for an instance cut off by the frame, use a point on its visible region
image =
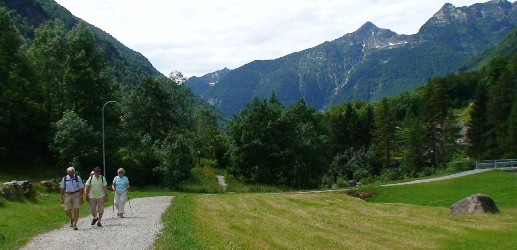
(121, 215)
(99, 224)
(118, 215)
(75, 228)
(71, 222)
(94, 221)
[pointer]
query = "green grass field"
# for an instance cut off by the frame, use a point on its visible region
(410, 217)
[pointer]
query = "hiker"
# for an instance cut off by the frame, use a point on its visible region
(120, 186)
(72, 195)
(96, 192)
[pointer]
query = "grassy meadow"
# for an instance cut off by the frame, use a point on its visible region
(256, 217)
(411, 217)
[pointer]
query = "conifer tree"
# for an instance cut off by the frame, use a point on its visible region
(384, 131)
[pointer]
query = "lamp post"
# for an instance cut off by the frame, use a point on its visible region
(103, 150)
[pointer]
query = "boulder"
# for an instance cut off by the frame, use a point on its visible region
(50, 185)
(15, 190)
(475, 204)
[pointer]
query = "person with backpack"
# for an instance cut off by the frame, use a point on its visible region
(120, 186)
(96, 192)
(72, 195)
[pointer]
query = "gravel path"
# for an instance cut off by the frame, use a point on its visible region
(475, 171)
(137, 230)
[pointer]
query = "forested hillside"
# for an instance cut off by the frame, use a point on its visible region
(129, 67)
(60, 99)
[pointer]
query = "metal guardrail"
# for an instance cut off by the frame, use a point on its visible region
(496, 163)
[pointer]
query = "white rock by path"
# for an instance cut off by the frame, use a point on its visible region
(138, 230)
(222, 182)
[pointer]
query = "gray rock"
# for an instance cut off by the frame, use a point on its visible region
(475, 204)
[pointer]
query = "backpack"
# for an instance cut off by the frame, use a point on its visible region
(64, 181)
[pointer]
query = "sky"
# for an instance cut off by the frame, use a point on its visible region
(198, 37)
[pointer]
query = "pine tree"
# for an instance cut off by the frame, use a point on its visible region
(384, 131)
(478, 124)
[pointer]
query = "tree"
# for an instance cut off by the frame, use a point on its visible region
(176, 159)
(148, 110)
(48, 57)
(384, 133)
(88, 85)
(23, 127)
(499, 107)
(413, 139)
(478, 124)
(177, 77)
(308, 142)
(258, 149)
(75, 141)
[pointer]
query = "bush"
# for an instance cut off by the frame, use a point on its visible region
(460, 164)
(390, 174)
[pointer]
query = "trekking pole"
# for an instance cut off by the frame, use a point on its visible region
(128, 200)
(113, 207)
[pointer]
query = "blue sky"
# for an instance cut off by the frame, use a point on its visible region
(198, 37)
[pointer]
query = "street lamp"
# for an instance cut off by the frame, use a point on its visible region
(103, 150)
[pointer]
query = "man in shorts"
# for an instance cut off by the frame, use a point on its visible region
(72, 195)
(96, 192)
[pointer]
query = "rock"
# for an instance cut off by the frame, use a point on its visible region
(50, 185)
(15, 190)
(478, 203)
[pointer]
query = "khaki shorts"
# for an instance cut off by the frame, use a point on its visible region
(72, 200)
(97, 205)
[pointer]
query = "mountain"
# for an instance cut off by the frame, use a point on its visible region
(129, 66)
(368, 64)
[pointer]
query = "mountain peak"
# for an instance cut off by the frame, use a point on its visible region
(373, 37)
(448, 13)
(480, 12)
(366, 29)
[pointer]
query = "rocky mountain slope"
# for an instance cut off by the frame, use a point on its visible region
(368, 64)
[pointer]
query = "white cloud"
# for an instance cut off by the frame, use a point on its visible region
(202, 36)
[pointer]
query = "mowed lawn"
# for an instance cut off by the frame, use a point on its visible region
(334, 221)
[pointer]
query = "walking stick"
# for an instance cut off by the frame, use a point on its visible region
(128, 200)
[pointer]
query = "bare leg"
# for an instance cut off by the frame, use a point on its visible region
(69, 214)
(76, 216)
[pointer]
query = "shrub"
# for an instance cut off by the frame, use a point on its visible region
(460, 164)
(390, 174)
